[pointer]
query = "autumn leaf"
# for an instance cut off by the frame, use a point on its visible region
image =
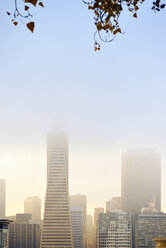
(135, 15)
(34, 2)
(136, 8)
(99, 26)
(31, 26)
(162, 6)
(26, 7)
(41, 4)
(15, 23)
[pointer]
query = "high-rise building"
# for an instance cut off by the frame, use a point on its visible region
(148, 226)
(32, 205)
(23, 234)
(2, 198)
(97, 212)
(140, 180)
(80, 201)
(114, 230)
(89, 231)
(4, 233)
(77, 226)
(114, 204)
(57, 231)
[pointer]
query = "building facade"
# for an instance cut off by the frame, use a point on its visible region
(77, 226)
(23, 234)
(4, 233)
(2, 198)
(80, 201)
(32, 205)
(90, 233)
(97, 212)
(57, 231)
(147, 227)
(23, 218)
(141, 180)
(114, 230)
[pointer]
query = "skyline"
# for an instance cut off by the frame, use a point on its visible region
(107, 101)
(93, 201)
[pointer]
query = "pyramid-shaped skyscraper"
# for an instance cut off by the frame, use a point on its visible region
(57, 231)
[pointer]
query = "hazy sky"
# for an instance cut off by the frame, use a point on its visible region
(108, 101)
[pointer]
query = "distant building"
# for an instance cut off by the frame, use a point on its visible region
(77, 226)
(4, 233)
(97, 212)
(23, 218)
(114, 230)
(22, 234)
(2, 198)
(141, 180)
(80, 201)
(114, 204)
(32, 205)
(89, 231)
(147, 227)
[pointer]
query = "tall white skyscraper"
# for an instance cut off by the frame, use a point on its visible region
(57, 231)
(2, 198)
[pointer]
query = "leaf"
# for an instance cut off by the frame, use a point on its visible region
(135, 15)
(34, 2)
(136, 8)
(162, 6)
(26, 7)
(15, 23)
(99, 26)
(31, 26)
(41, 4)
(8, 13)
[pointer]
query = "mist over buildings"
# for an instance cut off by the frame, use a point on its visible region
(111, 105)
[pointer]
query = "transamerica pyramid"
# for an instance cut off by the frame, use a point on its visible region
(57, 231)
